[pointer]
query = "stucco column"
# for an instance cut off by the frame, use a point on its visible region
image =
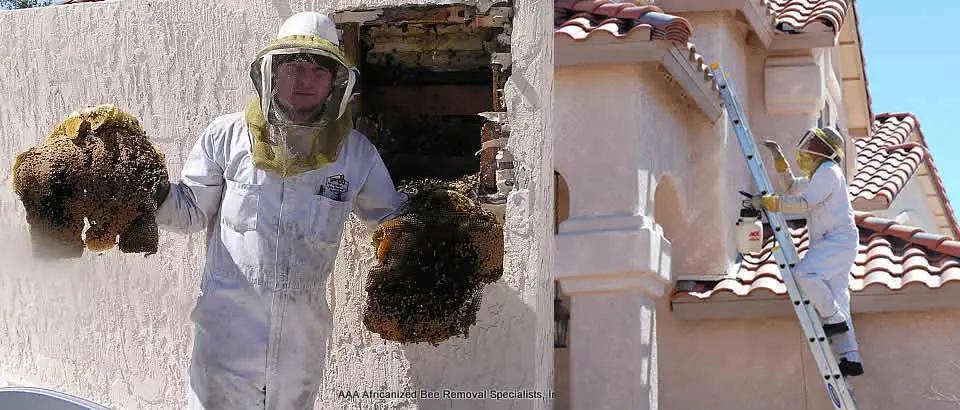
(614, 269)
(613, 361)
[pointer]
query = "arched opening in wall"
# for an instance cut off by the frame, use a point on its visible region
(561, 201)
(668, 213)
(427, 73)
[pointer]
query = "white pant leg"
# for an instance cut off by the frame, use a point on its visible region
(817, 288)
(844, 344)
(211, 387)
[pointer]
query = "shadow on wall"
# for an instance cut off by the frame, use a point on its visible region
(495, 356)
(485, 361)
(669, 214)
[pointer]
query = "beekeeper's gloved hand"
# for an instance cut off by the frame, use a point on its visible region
(779, 161)
(781, 203)
(770, 202)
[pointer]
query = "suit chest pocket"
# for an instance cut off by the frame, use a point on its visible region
(239, 208)
(325, 219)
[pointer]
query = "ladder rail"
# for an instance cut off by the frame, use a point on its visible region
(838, 391)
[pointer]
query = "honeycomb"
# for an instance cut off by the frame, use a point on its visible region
(432, 261)
(89, 183)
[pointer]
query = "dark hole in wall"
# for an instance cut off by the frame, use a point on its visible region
(424, 78)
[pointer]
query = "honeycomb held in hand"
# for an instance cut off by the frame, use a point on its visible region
(432, 262)
(97, 164)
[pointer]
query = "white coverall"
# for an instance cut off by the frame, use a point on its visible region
(262, 320)
(824, 272)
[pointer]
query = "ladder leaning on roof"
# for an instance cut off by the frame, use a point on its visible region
(838, 391)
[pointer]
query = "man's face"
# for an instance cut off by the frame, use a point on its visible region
(302, 88)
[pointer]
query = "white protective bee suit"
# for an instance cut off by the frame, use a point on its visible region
(824, 271)
(262, 320)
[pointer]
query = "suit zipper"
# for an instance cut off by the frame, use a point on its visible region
(276, 260)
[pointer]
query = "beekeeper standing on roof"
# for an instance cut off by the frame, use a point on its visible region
(273, 186)
(824, 272)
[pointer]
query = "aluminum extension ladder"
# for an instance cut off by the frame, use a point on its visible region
(838, 391)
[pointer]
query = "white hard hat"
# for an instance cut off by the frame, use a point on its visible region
(310, 23)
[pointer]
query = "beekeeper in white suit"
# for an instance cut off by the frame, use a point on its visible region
(273, 186)
(824, 272)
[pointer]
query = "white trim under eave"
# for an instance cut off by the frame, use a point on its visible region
(874, 299)
(601, 48)
(805, 40)
(638, 48)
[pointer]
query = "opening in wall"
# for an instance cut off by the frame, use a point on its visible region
(426, 76)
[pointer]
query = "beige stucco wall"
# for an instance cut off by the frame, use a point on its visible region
(629, 143)
(909, 358)
(621, 132)
(912, 207)
(720, 38)
(623, 129)
(115, 328)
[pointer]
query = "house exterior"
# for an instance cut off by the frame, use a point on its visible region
(627, 192)
(662, 312)
(115, 328)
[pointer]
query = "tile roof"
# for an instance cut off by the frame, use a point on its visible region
(885, 162)
(582, 19)
(891, 256)
(599, 20)
(796, 15)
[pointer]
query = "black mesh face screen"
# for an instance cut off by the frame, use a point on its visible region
(432, 262)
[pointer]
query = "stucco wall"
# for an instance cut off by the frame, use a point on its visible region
(718, 165)
(628, 143)
(913, 207)
(622, 131)
(909, 357)
(115, 328)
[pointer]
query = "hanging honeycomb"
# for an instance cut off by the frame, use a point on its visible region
(432, 262)
(90, 182)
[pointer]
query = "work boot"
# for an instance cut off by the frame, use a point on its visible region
(848, 368)
(831, 329)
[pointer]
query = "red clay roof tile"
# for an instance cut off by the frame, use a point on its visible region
(891, 131)
(885, 163)
(891, 256)
(583, 20)
(796, 15)
(579, 19)
(949, 247)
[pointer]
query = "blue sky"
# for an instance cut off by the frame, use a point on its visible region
(912, 56)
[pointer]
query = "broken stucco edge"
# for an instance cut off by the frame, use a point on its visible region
(528, 96)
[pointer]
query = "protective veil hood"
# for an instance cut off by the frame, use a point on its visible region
(809, 158)
(288, 147)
